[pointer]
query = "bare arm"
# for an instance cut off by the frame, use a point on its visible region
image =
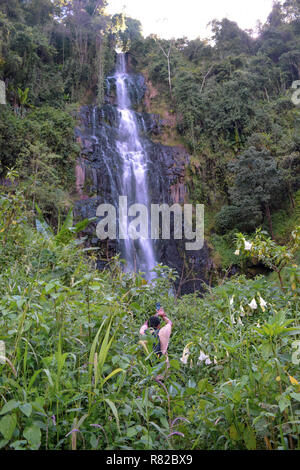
(167, 320)
(165, 332)
(143, 328)
(162, 314)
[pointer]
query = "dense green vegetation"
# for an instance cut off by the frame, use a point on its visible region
(75, 374)
(77, 377)
(41, 147)
(54, 56)
(60, 50)
(231, 101)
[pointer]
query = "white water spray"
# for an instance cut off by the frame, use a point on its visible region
(139, 254)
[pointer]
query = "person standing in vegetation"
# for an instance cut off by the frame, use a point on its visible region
(162, 334)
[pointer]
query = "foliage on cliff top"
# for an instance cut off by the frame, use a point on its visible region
(228, 95)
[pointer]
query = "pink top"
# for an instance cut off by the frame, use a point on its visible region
(164, 334)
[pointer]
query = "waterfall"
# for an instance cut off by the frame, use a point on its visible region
(119, 158)
(139, 254)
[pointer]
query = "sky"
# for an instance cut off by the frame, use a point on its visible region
(178, 18)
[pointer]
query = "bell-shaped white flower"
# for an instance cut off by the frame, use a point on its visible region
(240, 321)
(262, 303)
(204, 358)
(237, 252)
(231, 300)
(232, 319)
(185, 355)
(248, 245)
(242, 314)
(253, 304)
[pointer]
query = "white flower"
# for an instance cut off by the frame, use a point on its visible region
(185, 355)
(242, 314)
(263, 304)
(258, 325)
(248, 245)
(203, 357)
(231, 300)
(237, 252)
(253, 304)
(232, 319)
(240, 321)
(215, 360)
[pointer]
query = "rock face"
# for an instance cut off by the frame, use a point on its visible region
(99, 177)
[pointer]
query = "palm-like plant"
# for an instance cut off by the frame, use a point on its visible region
(66, 232)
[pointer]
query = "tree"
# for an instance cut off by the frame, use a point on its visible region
(290, 61)
(230, 39)
(23, 99)
(258, 186)
(73, 7)
(12, 8)
(39, 11)
(292, 10)
(166, 48)
(275, 18)
(197, 51)
(131, 34)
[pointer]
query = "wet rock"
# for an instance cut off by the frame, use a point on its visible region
(99, 176)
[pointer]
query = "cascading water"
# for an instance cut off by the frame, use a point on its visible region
(119, 158)
(139, 253)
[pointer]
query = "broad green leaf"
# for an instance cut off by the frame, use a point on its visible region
(93, 441)
(33, 435)
(3, 443)
(283, 403)
(26, 408)
(19, 445)
(202, 385)
(233, 433)
(8, 425)
(202, 404)
(38, 404)
(249, 438)
(132, 431)
(135, 306)
(296, 396)
(10, 405)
